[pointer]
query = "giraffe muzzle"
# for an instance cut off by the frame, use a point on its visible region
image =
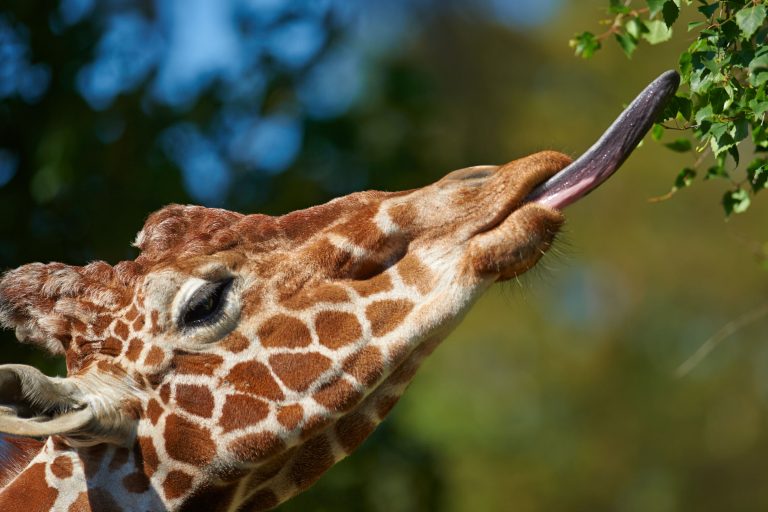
(605, 157)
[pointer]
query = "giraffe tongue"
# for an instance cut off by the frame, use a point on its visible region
(609, 152)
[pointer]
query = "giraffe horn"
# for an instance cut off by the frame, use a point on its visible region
(605, 157)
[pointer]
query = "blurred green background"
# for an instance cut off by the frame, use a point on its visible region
(558, 392)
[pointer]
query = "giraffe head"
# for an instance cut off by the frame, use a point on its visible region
(232, 338)
(249, 353)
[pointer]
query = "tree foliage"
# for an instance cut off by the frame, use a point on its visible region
(725, 73)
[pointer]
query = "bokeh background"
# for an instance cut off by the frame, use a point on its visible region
(559, 391)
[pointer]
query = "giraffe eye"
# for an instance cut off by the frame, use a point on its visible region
(206, 304)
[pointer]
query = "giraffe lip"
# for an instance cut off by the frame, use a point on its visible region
(605, 157)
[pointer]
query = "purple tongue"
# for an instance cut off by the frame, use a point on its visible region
(609, 152)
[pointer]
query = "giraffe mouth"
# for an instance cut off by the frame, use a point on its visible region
(605, 157)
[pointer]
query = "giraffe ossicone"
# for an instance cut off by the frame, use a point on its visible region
(239, 357)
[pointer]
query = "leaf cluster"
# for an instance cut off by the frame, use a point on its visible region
(725, 71)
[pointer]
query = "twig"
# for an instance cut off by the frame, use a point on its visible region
(727, 330)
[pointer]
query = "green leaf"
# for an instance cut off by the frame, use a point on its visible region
(635, 28)
(734, 152)
(740, 129)
(721, 139)
(701, 80)
(717, 98)
(585, 44)
(685, 178)
(703, 113)
(618, 7)
(627, 43)
(757, 174)
(670, 12)
(736, 201)
(750, 19)
(695, 24)
(686, 66)
(658, 32)
(760, 137)
(655, 6)
(758, 68)
(709, 9)
(758, 108)
(657, 132)
(679, 145)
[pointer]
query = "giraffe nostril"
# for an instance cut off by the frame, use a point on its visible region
(479, 172)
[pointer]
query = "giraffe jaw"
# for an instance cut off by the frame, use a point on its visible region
(611, 150)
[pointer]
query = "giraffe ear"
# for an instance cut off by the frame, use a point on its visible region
(33, 404)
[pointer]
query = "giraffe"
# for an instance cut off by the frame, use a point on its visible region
(239, 357)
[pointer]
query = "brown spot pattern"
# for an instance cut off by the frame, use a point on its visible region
(313, 425)
(312, 460)
(235, 342)
(366, 365)
(264, 499)
(352, 429)
(121, 330)
(154, 410)
(251, 300)
(195, 399)
(290, 416)
(299, 371)
(385, 404)
(255, 447)
(134, 349)
(337, 395)
(284, 331)
(403, 214)
(165, 393)
(336, 329)
(188, 442)
(149, 458)
(136, 483)
(132, 313)
(254, 378)
(154, 357)
(17, 497)
(323, 293)
(240, 411)
(195, 364)
(101, 499)
(386, 315)
(81, 504)
(119, 458)
(111, 347)
(414, 273)
(155, 318)
(100, 324)
(62, 467)
(176, 484)
(376, 284)
(92, 458)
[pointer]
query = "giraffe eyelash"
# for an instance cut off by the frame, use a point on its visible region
(207, 308)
